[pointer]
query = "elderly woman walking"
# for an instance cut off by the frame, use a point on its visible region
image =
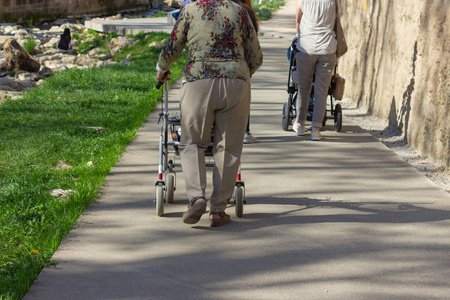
(316, 58)
(224, 52)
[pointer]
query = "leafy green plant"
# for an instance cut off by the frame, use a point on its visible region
(32, 19)
(30, 23)
(264, 8)
(141, 50)
(30, 44)
(83, 46)
(263, 13)
(76, 36)
(111, 35)
(160, 14)
(99, 42)
(93, 32)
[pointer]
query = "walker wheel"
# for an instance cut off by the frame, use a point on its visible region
(286, 120)
(338, 118)
(170, 188)
(239, 201)
(159, 193)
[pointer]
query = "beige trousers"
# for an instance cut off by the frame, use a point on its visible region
(322, 66)
(222, 104)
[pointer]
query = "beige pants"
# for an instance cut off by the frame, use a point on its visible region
(322, 66)
(225, 104)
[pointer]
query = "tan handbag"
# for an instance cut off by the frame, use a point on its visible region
(341, 42)
(338, 86)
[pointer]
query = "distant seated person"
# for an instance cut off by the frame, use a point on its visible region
(64, 41)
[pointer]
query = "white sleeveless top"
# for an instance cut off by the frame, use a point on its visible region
(316, 31)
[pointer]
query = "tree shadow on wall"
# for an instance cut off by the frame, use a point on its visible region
(400, 120)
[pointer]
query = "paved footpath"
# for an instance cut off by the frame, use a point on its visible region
(343, 218)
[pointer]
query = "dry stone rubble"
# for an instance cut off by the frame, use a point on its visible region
(52, 60)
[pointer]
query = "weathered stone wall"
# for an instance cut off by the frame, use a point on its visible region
(397, 67)
(14, 10)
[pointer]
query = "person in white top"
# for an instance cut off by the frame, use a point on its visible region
(316, 58)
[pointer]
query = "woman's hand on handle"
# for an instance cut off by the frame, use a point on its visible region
(162, 76)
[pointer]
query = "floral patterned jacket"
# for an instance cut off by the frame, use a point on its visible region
(221, 39)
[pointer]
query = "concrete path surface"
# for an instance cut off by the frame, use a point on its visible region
(343, 218)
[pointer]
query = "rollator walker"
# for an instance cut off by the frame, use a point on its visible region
(165, 186)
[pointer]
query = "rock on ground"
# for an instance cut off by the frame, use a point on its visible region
(48, 59)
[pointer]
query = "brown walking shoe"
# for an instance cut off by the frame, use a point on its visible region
(196, 209)
(218, 218)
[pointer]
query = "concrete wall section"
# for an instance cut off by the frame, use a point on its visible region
(17, 10)
(397, 68)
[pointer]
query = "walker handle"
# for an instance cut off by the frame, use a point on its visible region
(160, 83)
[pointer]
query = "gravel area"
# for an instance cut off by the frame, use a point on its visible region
(395, 141)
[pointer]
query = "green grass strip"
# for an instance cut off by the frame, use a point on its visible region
(76, 117)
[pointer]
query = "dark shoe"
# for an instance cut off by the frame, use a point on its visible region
(218, 218)
(195, 211)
